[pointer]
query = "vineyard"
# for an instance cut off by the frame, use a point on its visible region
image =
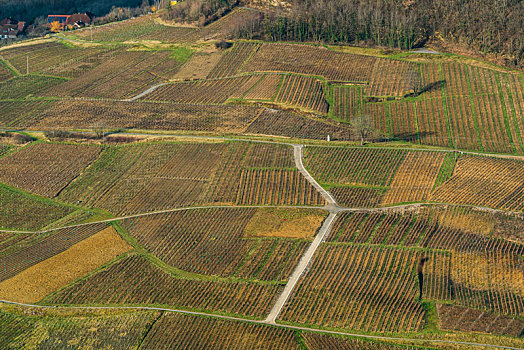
(140, 28)
(265, 89)
(311, 60)
(415, 177)
(37, 281)
(83, 114)
(276, 122)
(348, 101)
(190, 332)
(134, 280)
(139, 178)
(458, 106)
(256, 194)
(477, 321)
(360, 288)
(391, 78)
(150, 177)
(13, 111)
(27, 85)
(358, 196)
(46, 168)
(232, 60)
(147, 28)
(123, 75)
(22, 329)
(44, 56)
(486, 182)
(204, 91)
(304, 92)
(5, 73)
(36, 248)
(23, 211)
(374, 167)
(315, 341)
(465, 230)
(213, 242)
(479, 271)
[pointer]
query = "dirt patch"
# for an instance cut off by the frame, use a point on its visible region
(198, 66)
(289, 223)
(36, 282)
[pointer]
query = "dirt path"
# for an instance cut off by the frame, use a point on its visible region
(300, 268)
(297, 153)
(146, 92)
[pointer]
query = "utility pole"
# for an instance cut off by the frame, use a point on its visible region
(27, 70)
(91, 32)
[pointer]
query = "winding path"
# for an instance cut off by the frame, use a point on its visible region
(297, 153)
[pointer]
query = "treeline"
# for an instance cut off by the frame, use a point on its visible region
(29, 10)
(489, 26)
(199, 11)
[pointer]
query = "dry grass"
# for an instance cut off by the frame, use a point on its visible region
(198, 66)
(498, 272)
(289, 223)
(415, 177)
(36, 282)
(470, 222)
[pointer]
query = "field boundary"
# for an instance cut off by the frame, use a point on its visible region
(239, 319)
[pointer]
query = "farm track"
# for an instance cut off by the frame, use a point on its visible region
(146, 92)
(304, 262)
(226, 138)
(297, 154)
(239, 319)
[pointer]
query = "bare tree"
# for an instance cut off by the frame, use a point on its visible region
(99, 129)
(414, 81)
(363, 127)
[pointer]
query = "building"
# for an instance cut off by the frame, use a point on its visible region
(10, 28)
(76, 20)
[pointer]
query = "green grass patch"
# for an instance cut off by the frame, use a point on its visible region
(430, 317)
(446, 170)
(181, 54)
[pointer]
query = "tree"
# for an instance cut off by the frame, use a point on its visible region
(363, 127)
(55, 27)
(414, 81)
(99, 129)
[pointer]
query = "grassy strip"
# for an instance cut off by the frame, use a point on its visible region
(9, 67)
(514, 114)
(328, 186)
(430, 317)
(474, 113)
(178, 273)
(446, 108)
(505, 114)
(446, 169)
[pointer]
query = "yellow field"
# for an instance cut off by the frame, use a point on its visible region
(289, 223)
(36, 282)
(415, 177)
(471, 222)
